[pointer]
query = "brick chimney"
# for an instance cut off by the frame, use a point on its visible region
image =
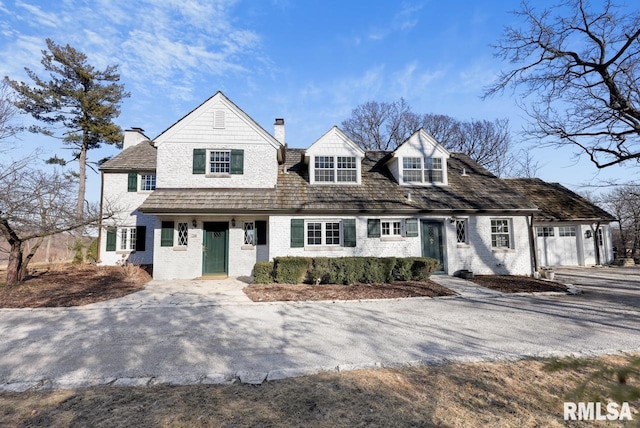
(278, 130)
(132, 137)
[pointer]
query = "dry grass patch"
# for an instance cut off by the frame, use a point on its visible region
(517, 284)
(299, 292)
(73, 286)
(516, 394)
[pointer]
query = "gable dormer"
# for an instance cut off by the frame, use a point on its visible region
(334, 159)
(420, 161)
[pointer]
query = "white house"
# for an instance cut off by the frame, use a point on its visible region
(227, 194)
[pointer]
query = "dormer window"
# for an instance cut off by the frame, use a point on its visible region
(422, 170)
(331, 169)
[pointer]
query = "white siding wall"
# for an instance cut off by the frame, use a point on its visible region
(478, 256)
(419, 145)
(186, 262)
(175, 151)
(125, 203)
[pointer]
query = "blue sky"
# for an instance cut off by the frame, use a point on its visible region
(310, 62)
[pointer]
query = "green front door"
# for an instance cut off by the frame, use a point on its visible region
(432, 242)
(215, 257)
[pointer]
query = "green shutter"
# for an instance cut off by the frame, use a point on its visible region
(297, 232)
(349, 229)
(411, 227)
(133, 182)
(199, 161)
(141, 241)
(237, 161)
(166, 235)
(111, 239)
(373, 228)
(261, 231)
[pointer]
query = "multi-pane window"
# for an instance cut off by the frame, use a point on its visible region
(545, 231)
(183, 234)
(567, 231)
(332, 233)
(249, 233)
(433, 170)
(500, 235)
(391, 228)
(128, 238)
(323, 233)
(347, 171)
(220, 162)
(314, 233)
(324, 169)
(148, 182)
(461, 231)
(411, 170)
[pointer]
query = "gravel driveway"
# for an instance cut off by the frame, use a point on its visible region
(70, 347)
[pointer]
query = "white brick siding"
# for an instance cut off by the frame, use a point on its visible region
(175, 161)
(125, 204)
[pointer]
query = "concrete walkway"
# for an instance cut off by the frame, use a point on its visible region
(464, 288)
(182, 293)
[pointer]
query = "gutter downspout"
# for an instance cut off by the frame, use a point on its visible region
(100, 218)
(532, 246)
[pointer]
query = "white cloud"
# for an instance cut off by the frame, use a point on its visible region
(403, 20)
(36, 15)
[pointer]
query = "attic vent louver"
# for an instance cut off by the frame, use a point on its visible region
(218, 119)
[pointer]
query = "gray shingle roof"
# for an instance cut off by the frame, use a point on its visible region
(556, 202)
(478, 191)
(141, 157)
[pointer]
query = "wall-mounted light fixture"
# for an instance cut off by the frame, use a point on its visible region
(194, 222)
(233, 222)
(587, 234)
(452, 219)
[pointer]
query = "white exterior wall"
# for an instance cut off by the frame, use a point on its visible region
(588, 244)
(334, 143)
(198, 131)
(186, 262)
(125, 204)
(419, 145)
(477, 256)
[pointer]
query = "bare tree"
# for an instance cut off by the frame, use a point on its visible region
(8, 112)
(624, 204)
(35, 204)
(579, 70)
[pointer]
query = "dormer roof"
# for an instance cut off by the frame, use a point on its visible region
(334, 140)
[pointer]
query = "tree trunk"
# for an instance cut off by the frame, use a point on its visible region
(14, 269)
(25, 262)
(82, 179)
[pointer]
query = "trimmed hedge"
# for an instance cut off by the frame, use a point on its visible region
(263, 273)
(291, 270)
(344, 270)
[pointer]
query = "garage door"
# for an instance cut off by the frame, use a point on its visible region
(557, 246)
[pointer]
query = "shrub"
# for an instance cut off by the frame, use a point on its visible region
(92, 251)
(322, 268)
(403, 268)
(378, 270)
(415, 268)
(263, 273)
(291, 270)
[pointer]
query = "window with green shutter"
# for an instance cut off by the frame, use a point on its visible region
(411, 227)
(373, 228)
(297, 232)
(166, 235)
(199, 161)
(349, 230)
(237, 161)
(132, 182)
(111, 239)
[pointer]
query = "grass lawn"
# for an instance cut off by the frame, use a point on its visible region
(511, 394)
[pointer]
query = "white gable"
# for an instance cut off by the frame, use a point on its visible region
(421, 145)
(335, 153)
(334, 142)
(216, 119)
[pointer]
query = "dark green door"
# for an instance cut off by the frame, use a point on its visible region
(432, 242)
(215, 257)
